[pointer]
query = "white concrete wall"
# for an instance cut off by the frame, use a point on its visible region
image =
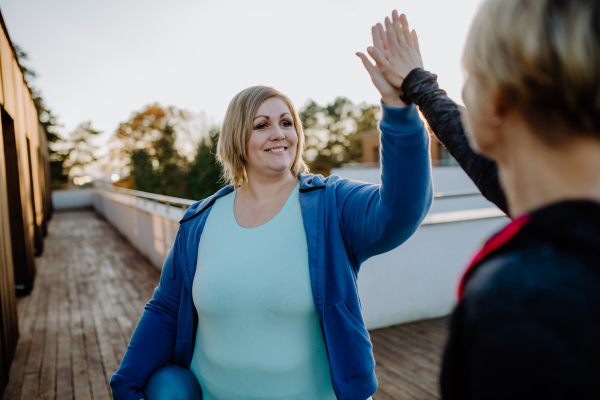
(149, 228)
(71, 199)
(445, 179)
(418, 280)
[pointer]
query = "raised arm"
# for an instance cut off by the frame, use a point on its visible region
(397, 54)
(378, 218)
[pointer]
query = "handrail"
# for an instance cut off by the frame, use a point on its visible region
(457, 193)
(183, 203)
(186, 203)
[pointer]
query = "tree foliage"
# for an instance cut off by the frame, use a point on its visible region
(149, 146)
(57, 148)
(204, 178)
(81, 150)
(333, 132)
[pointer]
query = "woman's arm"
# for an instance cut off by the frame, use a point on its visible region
(378, 218)
(444, 118)
(396, 51)
(153, 341)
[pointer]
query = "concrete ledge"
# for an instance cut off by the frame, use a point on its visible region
(75, 199)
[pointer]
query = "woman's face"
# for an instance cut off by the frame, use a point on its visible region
(274, 141)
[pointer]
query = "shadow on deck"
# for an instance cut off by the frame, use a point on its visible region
(90, 290)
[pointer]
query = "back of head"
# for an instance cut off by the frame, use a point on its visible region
(541, 57)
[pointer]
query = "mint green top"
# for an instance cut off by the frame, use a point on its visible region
(258, 333)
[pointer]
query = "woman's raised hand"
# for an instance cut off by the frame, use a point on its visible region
(389, 94)
(395, 49)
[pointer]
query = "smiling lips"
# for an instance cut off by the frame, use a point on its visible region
(276, 150)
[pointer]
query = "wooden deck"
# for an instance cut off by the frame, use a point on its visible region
(90, 290)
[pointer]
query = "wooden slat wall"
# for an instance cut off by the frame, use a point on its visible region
(31, 161)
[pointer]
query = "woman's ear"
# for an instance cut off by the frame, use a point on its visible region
(496, 112)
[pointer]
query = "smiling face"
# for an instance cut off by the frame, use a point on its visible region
(273, 143)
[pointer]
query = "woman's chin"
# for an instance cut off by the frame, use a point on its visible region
(274, 170)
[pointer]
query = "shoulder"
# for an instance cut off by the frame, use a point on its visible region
(529, 318)
(199, 207)
(537, 289)
(538, 268)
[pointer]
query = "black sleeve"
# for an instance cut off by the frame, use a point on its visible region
(442, 114)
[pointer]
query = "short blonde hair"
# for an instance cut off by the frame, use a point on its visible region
(541, 57)
(232, 146)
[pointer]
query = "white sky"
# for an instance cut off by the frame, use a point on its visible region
(104, 59)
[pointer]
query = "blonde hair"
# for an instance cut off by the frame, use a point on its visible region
(542, 57)
(232, 146)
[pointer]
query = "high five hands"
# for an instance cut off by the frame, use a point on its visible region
(396, 52)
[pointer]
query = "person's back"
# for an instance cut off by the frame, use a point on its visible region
(529, 320)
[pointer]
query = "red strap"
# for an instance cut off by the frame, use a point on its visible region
(495, 242)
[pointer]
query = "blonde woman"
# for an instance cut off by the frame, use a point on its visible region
(528, 319)
(258, 296)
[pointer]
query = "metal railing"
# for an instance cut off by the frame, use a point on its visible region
(156, 198)
(185, 203)
(457, 193)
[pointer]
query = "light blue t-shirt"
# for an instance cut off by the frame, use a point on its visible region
(258, 333)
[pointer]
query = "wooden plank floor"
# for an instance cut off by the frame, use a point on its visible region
(90, 290)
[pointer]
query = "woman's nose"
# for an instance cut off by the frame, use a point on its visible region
(277, 133)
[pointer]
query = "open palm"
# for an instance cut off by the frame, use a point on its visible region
(396, 49)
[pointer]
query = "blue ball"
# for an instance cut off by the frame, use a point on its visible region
(172, 382)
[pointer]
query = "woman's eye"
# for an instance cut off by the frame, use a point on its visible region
(287, 123)
(261, 126)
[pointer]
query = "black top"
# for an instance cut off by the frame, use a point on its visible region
(528, 323)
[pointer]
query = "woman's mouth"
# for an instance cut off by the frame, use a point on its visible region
(276, 150)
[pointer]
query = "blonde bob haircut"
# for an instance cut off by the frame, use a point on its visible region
(541, 57)
(232, 146)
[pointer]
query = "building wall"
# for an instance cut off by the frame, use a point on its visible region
(23, 195)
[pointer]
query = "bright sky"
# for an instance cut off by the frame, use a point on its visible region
(103, 60)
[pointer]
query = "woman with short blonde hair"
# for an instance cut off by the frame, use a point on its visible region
(526, 324)
(237, 128)
(258, 296)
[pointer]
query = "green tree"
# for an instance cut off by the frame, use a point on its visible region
(204, 177)
(144, 177)
(81, 151)
(171, 167)
(333, 132)
(57, 148)
(160, 168)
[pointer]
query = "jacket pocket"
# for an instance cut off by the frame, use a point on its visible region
(348, 344)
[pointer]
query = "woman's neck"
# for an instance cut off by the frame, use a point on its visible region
(534, 174)
(265, 189)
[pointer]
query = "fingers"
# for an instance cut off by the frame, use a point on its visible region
(415, 40)
(406, 30)
(367, 63)
(378, 56)
(391, 35)
(377, 41)
(382, 36)
(398, 28)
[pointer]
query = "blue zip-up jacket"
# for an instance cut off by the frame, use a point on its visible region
(346, 222)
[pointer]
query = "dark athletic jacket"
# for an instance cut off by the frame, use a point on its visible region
(527, 325)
